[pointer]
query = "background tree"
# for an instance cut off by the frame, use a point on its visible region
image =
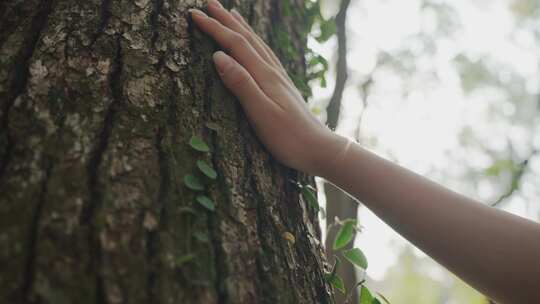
(102, 198)
(340, 204)
(453, 94)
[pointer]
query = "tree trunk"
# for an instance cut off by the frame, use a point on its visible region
(341, 205)
(99, 100)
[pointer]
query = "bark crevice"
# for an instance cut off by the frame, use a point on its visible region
(154, 21)
(96, 158)
(95, 192)
(105, 15)
(31, 244)
(152, 237)
(21, 73)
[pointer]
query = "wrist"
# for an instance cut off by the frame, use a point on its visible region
(330, 154)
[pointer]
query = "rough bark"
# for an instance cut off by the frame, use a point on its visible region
(98, 101)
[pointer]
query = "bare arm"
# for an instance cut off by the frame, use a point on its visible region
(496, 252)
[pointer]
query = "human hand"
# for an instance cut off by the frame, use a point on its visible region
(274, 106)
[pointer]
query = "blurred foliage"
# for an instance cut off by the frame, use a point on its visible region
(474, 73)
(447, 19)
(411, 281)
(505, 92)
(525, 8)
(499, 123)
(315, 26)
(501, 166)
(322, 29)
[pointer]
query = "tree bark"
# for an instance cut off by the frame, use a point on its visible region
(341, 205)
(99, 100)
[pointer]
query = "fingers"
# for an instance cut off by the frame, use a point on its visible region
(273, 58)
(227, 19)
(239, 47)
(238, 80)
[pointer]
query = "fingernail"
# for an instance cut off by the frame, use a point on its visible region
(215, 3)
(197, 12)
(236, 13)
(221, 60)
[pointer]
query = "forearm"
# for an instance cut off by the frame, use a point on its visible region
(496, 252)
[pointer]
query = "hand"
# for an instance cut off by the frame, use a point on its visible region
(274, 107)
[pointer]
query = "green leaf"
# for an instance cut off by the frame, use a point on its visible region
(328, 29)
(365, 296)
(184, 259)
(357, 257)
(302, 85)
(345, 234)
(206, 202)
(336, 281)
(376, 301)
(198, 144)
(382, 297)
(335, 267)
(500, 166)
(310, 197)
(318, 60)
(193, 183)
(206, 169)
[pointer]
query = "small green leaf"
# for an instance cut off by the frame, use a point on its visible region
(328, 29)
(382, 297)
(357, 257)
(310, 197)
(184, 259)
(376, 301)
(335, 267)
(333, 278)
(318, 60)
(193, 183)
(206, 169)
(345, 234)
(365, 296)
(206, 202)
(336, 281)
(198, 144)
(201, 237)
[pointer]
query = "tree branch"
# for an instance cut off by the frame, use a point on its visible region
(334, 106)
(517, 176)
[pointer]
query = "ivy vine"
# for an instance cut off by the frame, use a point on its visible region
(192, 180)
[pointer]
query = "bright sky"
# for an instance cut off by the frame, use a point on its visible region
(421, 131)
